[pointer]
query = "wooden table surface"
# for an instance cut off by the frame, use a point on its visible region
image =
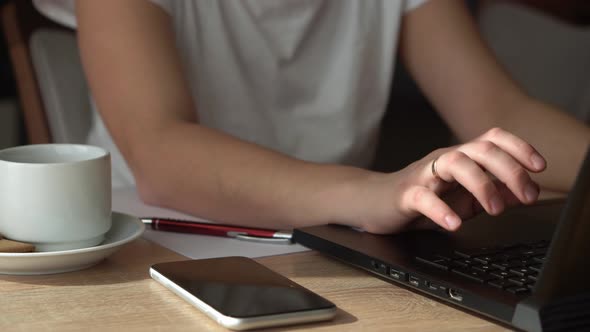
(118, 294)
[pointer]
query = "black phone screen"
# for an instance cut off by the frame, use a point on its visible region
(240, 287)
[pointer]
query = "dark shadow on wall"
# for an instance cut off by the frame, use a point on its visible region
(8, 98)
(411, 127)
(7, 86)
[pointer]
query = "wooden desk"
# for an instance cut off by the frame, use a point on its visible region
(118, 294)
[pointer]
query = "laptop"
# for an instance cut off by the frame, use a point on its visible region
(526, 268)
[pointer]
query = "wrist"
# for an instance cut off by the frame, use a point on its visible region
(344, 195)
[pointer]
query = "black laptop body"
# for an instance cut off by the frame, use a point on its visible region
(527, 268)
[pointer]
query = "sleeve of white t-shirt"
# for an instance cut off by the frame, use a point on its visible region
(164, 4)
(64, 11)
(413, 4)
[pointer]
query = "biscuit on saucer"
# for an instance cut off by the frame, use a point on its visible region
(15, 246)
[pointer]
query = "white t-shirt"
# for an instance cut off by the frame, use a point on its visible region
(308, 78)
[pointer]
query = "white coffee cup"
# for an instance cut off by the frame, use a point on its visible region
(55, 196)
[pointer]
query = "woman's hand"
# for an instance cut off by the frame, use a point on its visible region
(451, 184)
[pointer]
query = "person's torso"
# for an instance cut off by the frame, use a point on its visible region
(308, 78)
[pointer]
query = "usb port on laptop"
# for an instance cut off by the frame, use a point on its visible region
(414, 281)
(398, 275)
(431, 286)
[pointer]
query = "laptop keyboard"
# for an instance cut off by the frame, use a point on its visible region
(513, 268)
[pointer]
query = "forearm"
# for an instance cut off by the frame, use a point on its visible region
(212, 175)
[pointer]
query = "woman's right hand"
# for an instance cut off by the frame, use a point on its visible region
(450, 185)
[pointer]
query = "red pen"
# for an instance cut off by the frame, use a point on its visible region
(237, 232)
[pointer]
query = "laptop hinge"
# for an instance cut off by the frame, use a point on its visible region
(526, 316)
(570, 313)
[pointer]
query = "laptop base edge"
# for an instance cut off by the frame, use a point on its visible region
(469, 302)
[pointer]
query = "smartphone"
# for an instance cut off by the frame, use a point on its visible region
(241, 294)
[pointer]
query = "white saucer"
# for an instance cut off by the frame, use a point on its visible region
(125, 229)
